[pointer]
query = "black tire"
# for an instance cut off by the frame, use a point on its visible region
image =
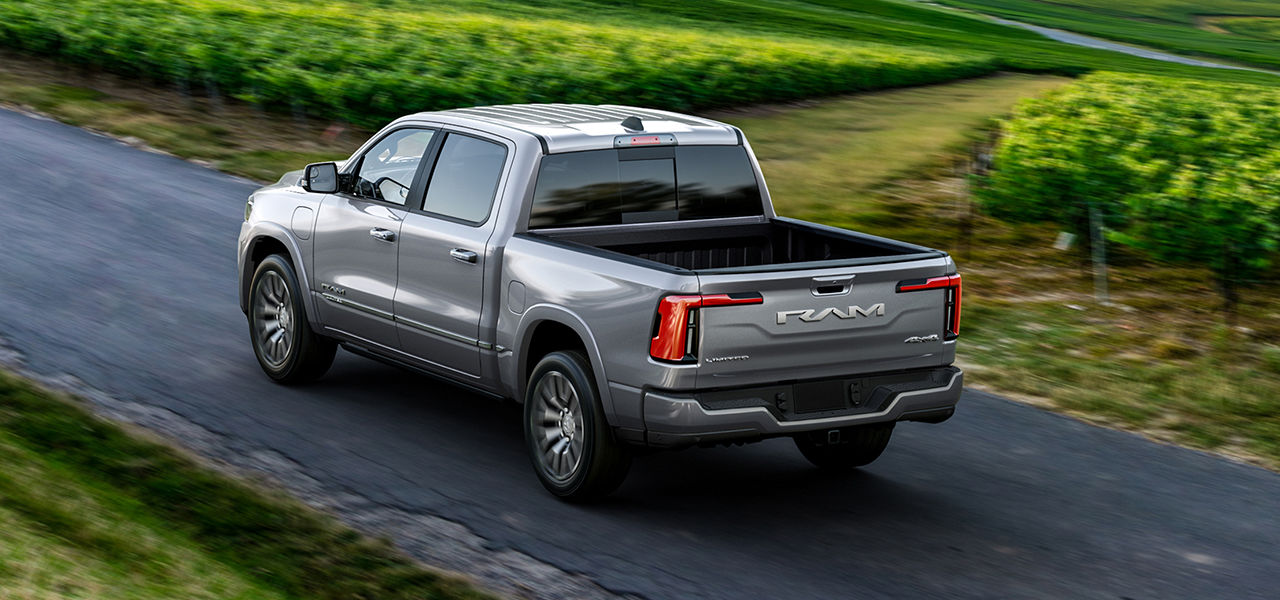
(600, 463)
(856, 447)
(304, 355)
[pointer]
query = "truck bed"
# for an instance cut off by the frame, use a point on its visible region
(762, 245)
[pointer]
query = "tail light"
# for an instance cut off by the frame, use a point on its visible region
(950, 283)
(675, 334)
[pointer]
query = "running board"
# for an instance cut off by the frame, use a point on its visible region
(395, 362)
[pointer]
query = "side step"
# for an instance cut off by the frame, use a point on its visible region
(395, 362)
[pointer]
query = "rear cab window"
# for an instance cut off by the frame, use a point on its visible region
(644, 185)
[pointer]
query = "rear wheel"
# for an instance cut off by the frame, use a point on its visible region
(572, 449)
(286, 347)
(850, 447)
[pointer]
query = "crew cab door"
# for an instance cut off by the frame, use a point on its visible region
(358, 237)
(444, 253)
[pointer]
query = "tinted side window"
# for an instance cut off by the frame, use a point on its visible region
(580, 188)
(610, 187)
(465, 178)
(387, 169)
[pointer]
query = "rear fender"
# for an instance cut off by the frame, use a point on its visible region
(549, 312)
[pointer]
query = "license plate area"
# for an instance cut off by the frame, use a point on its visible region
(819, 396)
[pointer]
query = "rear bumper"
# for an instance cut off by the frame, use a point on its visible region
(674, 419)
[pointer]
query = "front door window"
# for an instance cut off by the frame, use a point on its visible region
(386, 170)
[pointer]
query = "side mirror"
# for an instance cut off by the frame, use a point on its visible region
(392, 191)
(321, 178)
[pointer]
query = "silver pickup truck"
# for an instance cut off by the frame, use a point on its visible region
(618, 270)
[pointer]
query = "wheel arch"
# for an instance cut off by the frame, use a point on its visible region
(268, 240)
(548, 328)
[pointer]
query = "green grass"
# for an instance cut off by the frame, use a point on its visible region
(1202, 386)
(899, 22)
(237, 140)
(1263, 28)
(370, 61)
(827, 172)
(1171, 11)
(63, 538)
(1174, 25)
(87, 510)
(884, 21)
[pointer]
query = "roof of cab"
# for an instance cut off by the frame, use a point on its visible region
(574, 127)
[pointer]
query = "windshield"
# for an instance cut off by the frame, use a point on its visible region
(643, 185)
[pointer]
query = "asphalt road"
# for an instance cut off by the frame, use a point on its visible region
(117, 266)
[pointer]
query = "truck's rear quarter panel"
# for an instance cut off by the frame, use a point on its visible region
(609, 302)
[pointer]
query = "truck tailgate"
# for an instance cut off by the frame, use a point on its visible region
(823, 323)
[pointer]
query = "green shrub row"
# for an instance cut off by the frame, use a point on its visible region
(1187, 171)
(367, 64)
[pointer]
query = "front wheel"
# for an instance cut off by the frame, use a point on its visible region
(569, 441)
(842, 449)
(286, 347)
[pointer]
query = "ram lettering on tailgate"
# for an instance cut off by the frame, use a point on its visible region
(811, 315)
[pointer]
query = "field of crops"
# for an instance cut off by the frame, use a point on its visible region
(366, 61)
(1173, 25)
(366, 64)
(1185, 171)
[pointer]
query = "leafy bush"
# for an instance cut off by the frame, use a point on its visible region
(1188, 171)
(366, 64)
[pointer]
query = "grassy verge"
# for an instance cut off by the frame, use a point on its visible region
(1263, 28)
(869, 139)
(229, 136)
(88, 510)
(1176, 375)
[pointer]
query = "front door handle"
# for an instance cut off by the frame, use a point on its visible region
(385, 235)
(465, 256)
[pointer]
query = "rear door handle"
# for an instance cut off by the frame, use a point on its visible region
(465, 256)
(385, 235)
